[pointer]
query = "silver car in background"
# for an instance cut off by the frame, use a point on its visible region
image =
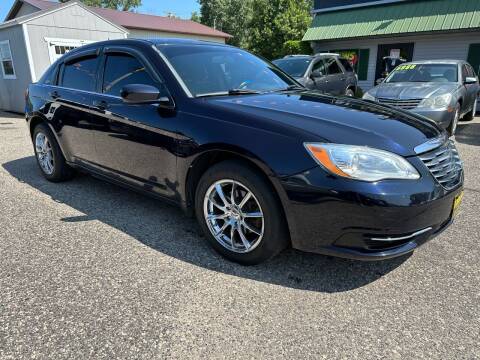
(326, 72)
(442, 90)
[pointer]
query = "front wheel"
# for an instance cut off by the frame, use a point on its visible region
(452, 128)
(239, 213)
(469, 116)
(349, 93)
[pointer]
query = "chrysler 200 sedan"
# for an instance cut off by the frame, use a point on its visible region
(442, 90)
(262, 162)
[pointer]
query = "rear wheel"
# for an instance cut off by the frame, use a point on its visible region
(49, 156)
(239, 213)
(469, 116)
(452, 128)
(350, 93)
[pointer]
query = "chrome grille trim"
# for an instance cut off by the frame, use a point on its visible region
(406, 104)
(444, 164)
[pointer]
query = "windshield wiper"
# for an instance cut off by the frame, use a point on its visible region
(242, 91)
(230, 92)
(289, 88)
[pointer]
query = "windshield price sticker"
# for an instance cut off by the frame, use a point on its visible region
(406, 67)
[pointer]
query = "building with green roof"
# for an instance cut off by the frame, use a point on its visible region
(373, 33)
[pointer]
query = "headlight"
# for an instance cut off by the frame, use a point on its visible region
(438, 102)
(367, 96)
(361, 162)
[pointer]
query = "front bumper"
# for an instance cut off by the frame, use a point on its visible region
(442, 117)
(365, 221)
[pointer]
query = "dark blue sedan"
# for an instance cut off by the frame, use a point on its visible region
(262, 162)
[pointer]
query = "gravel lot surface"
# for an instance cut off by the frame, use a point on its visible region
(90, 270)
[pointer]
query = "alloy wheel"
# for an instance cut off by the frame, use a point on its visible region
(455, 120)
(234, 216)
(44, 153)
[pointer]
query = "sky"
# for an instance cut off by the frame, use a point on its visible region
(181, 8)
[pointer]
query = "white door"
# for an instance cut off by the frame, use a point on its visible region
(58, 47)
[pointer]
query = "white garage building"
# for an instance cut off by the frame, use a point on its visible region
(36, 33)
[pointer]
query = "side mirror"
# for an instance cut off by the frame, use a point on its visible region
(139, 94)
(317, 74)
(379, 81)
(145, 94)
(470, 80)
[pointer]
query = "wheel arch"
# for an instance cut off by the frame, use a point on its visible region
(220, 152)
(35, 120)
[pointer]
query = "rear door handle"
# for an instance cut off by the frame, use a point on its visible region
(100, 104)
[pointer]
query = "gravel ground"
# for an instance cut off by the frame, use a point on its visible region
(90, 270)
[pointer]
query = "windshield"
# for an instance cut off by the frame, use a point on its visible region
(295, 67)
(424, 73)
(209, 70)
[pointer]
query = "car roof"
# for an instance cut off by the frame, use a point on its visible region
(309, 57)
(158, 42)
(441, 61)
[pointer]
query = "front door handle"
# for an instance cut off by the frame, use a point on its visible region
(54, 94)
(101, 104)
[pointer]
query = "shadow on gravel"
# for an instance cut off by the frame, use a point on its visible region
(468, 133)
(166, 229)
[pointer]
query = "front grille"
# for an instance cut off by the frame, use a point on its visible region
(444, 164)
(407, 104)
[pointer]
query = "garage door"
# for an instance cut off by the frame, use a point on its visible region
(58, 47)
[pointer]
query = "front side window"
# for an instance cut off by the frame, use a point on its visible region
(216, 70)
(471, 72)
(424, 73)
(124, 69)
(80, 74)
(7, 60)
(320, 66)
(332, 66)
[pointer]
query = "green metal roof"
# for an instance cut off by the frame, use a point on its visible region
(396, 18)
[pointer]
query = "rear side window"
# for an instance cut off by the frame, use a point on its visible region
(80, 74)
(332, 66)
(124, 69)
(346, 65)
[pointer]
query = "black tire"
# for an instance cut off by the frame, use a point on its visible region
(275, 235)
(61, 171)
(452, 127)
(471, 115)
(350, 93)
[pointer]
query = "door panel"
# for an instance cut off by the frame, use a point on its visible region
(71, 106)
(318, 83)
(335, 77)
(134, 142)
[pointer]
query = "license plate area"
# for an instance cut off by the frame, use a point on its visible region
(456, 204)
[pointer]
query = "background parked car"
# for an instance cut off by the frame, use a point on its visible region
(326, 72)
(443, 90)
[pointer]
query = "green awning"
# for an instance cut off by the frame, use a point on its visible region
(397, 18)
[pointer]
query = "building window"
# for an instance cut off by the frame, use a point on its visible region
(7, 60)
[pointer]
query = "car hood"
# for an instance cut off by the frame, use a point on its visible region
(410, 90)
(317, 117)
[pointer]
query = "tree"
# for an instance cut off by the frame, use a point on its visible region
(196, 17)
(124, 5)
(262, 26)
(230, 16)
(275, 22)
